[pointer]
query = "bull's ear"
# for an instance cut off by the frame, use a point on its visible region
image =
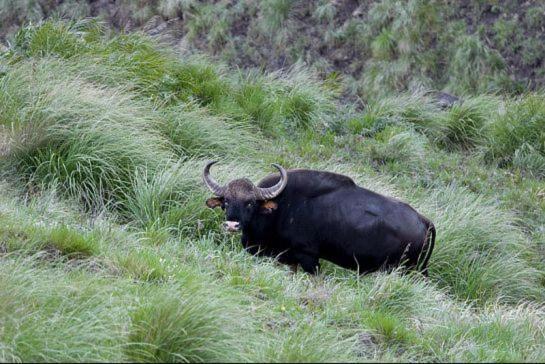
(214, 202)
(268, 206)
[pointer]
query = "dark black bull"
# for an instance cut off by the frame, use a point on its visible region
(300, 216)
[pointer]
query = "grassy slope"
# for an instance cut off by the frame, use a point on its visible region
(108, 252)
(377, 46)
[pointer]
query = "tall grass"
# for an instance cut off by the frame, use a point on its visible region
(518, 134)
(290, 99)
(464, 125)
(48, 315)
(184, 325)
(384, 46)
(120, 127)
(85, 138)
(480, 255)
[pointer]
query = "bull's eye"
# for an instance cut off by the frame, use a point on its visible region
(249, 205)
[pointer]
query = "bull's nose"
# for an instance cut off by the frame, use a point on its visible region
(231, 225)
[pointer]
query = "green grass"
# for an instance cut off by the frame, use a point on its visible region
(464, 124)
(49, 314)
(185, 325)
(109, 254)
(85, 138)
(381, 46)
(519, 131)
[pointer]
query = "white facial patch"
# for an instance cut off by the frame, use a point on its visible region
(231, 226)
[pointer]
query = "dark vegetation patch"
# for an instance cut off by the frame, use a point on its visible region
(380, 46)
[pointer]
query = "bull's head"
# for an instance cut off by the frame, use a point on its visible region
(241, 199)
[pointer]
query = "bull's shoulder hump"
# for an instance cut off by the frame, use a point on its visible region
(312, 179)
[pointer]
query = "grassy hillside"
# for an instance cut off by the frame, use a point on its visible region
(376, 46)
(109, 254)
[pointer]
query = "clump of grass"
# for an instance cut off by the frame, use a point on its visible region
(170, 199)
(414, 108)
(527, 158)
(463, 125)
(534, 16)
(388, 329)
(214, 20)
(142, 265)
(51, 38)
(533, 52)
(72, 243)
(171, 8)
(306, 342)
(20, 233)
(47, 315)
(87, 140)
(325, 10)
(394, 293)
(496, 333)
(383, 46)
(395, 144)
(18, 236)
(522, 123)
(472, 61)
(274, 14)
(196, 132)
(188, 324)
(285, 101)
(479, 255)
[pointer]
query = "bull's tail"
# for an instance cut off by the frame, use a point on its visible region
(430, 246)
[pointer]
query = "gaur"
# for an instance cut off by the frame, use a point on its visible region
(301, 215)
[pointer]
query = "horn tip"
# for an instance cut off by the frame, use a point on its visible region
(278, 166)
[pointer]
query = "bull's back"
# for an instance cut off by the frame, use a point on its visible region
(363, 230)
(309, 183)
(347, 225)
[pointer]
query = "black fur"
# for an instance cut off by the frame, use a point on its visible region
(326, 215)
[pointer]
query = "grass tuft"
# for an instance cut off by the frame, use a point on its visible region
(185, 325)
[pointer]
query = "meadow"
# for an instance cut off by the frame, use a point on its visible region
(108, 252)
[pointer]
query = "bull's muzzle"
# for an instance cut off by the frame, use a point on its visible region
(231, 226)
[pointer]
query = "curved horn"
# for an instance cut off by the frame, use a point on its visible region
(272, 192)
(209, 181)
